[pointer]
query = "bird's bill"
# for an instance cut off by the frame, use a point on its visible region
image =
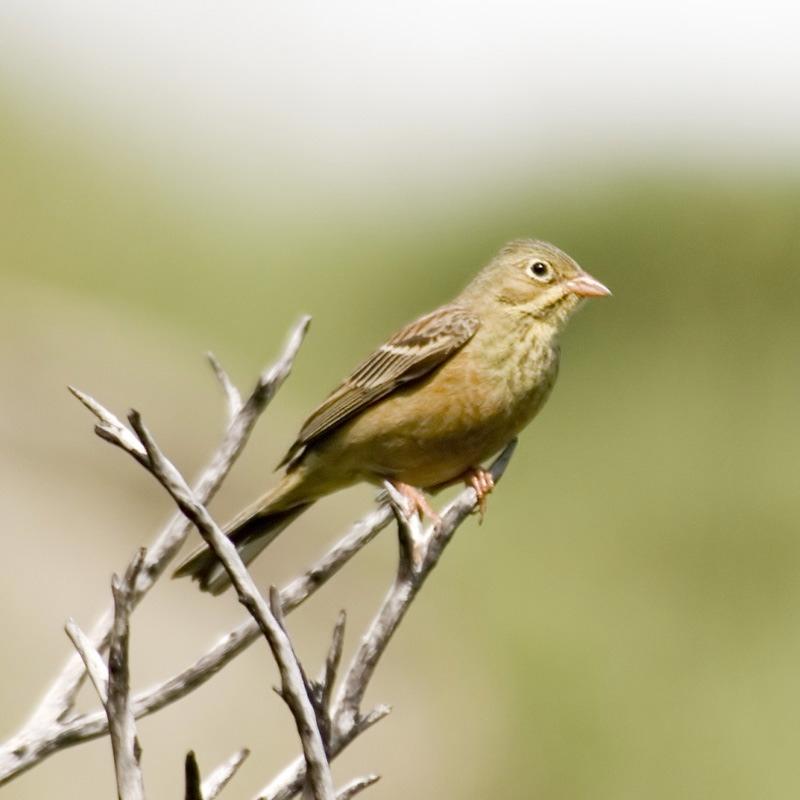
(587, 286)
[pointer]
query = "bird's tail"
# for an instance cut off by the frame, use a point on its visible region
(251, 532)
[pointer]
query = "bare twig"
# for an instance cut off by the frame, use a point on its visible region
(112, 684)
(95, 666)
(291, 780)
(294, 688)
(122, 729)
(410, 531)
(232, 396)
(93, 724)
(356, 786)
(110, 428)
(49, 723)
(210, 788)
(194, 789)
(326, 727)
(236, 641)
(328, 677)
(413, 569)
(222, 775)
(407, 584)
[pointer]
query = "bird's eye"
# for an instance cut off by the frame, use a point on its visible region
(540, 270)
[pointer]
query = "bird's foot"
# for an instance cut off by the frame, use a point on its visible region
(419, 502)
(482, 482)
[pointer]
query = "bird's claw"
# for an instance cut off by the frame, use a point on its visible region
(419, 503)
(482, 482)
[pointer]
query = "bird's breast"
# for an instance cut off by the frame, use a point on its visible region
(431, 431)
(518, 368)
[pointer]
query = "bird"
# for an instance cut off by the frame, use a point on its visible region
(432, 403)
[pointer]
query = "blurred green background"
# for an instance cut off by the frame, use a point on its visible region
(624, 624)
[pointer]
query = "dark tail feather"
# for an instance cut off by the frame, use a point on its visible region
(251, 533)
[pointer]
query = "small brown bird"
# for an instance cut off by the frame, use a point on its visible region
(428, 406)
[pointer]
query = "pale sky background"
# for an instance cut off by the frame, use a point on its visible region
(334, 90)
(185, 175)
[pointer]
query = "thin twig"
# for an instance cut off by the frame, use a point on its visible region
(194, 788)
(405, 588)
(232, 396)
(112, 684)
(410, 532)
(222, 775)
(325, 727)
(412, 571)
(91, 725)
(356, 786)
(293, 685)
(292, 778)
(122, 728)
(95, 666)
(328, 677)
(48, 728)
(210, 788)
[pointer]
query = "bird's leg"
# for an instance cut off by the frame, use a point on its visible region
(419, 502)
(482, 482)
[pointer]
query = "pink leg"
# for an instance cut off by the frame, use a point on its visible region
(419, 502)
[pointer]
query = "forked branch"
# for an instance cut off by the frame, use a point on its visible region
(51, 727)
(112, 684)
(293, 686)
(420, 550)
(327, 719)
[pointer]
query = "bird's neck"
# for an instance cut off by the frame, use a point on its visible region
(513, 336)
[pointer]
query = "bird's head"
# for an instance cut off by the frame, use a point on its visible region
(535, 279)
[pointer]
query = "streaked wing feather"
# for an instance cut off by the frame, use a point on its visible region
(411, 353)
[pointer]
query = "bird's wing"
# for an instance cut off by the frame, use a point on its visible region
(410, 354)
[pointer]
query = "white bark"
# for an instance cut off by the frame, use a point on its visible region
(112, 684)
(293, 686)
(221, 776)
(49, 728)
(327, 720)
(420, 551)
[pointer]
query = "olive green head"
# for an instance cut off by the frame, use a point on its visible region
(533, 278)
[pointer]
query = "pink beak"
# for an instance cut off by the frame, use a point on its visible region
(587, 286)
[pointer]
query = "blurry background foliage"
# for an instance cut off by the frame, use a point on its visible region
(624, 624)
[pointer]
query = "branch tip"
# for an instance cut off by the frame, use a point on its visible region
(194, 789)
(222, 775)
(332, 662)
(87, 401)
(356, 786)
(347, 720)
(374, 716)
(51, 727)
(232, 395)
(271, 379)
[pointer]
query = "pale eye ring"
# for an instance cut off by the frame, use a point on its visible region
(540, 270)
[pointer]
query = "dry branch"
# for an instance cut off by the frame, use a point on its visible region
(356, 786)
(221, 776)
(121, 725)
(326, 726)
(48, 729)
(112, 684)
(194, 784)
(91, 725)
(95, 666)
(210, 788)
(419, 553)
(293, 684)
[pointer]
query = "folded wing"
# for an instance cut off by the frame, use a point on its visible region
(410, 354)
